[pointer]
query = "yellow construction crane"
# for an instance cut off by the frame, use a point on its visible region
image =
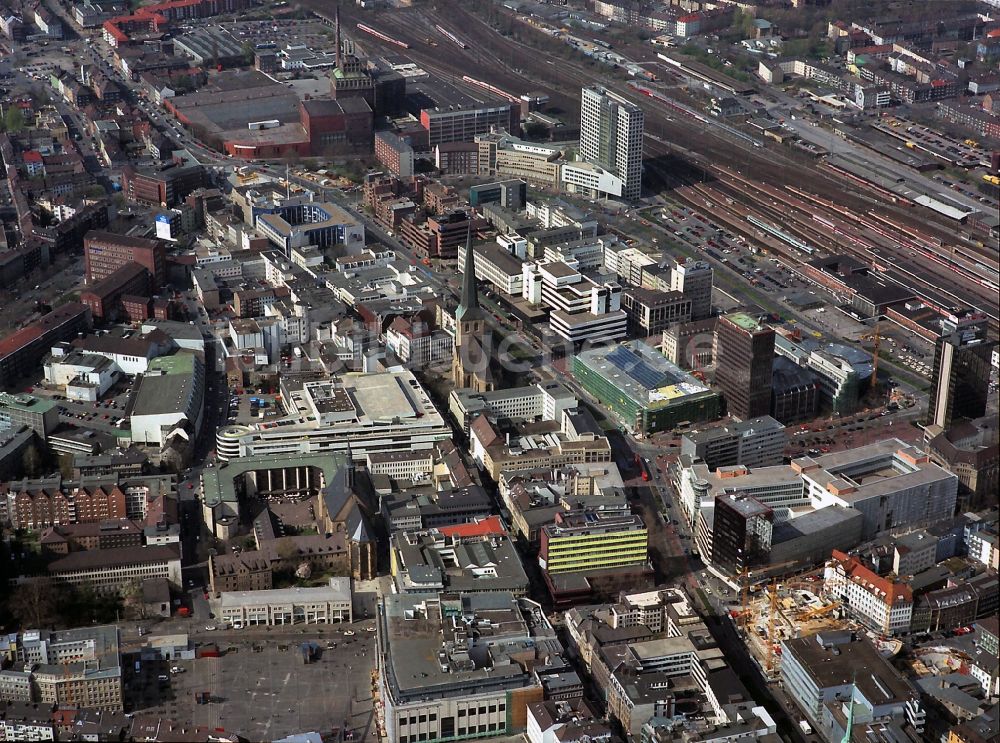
(876, 338)
(817, 611)
(771, 606)
(773, 609)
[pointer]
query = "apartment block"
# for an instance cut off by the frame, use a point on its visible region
(71, 668)
(611, 132)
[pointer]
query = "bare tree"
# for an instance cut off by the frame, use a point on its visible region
(33, 603)
(31, 461)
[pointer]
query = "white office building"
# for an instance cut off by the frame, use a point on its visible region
(774, 487)
(498, 264)
(534, 402)
(694, 279)
(611, 130)
(882, 604)
(579, 308)
(281, 606)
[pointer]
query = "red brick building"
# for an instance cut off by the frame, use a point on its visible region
(440, 236)
(39, 504)
(395, 153)
(106, 297)
(337, 125)
(135, 308)
(327, 127)
(164, 309)
(106, 252)
(162, 186)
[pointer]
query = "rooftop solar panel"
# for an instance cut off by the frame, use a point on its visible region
(633, 365)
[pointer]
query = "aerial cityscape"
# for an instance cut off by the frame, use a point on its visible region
(534, 371)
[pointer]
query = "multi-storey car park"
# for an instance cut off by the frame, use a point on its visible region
(355, 413)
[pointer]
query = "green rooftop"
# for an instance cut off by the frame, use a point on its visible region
(219, 482)
(743, 321)
(26, 403)
(178, 363)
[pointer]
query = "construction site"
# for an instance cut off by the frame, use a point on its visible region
(783, 610)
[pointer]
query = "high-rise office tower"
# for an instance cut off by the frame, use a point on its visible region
(744, 358)
(741, 532)
(693, 279)
(611, 137)
(961, 379)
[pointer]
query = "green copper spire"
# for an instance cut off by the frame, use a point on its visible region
(850, 716)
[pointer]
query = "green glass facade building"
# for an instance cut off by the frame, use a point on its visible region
(643, 388)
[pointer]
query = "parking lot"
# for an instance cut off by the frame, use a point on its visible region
(103, 415)
(260, 687)
(314, 34)
(732, 250)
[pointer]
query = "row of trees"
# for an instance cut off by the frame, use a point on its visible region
(41, 603)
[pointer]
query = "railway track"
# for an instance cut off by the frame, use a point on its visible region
(516, 67)
(737, 206)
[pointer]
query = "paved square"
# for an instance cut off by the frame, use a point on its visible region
(261, 688)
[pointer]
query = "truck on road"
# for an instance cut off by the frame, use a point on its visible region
(805, 727)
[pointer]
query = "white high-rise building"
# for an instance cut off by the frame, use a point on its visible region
(611, 137)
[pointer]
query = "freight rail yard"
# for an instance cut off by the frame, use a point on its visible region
(741, 181)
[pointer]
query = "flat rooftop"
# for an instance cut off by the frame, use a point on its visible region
(738, 428)
(339, 590)
(740, 478)
(745, 506)
(236, 100)
(744, 322)
(503, 259)
(855, 661)
(434, 92)
(427, 561)
(380, 397)
(29, 403)
(428, 652)
(642, 373)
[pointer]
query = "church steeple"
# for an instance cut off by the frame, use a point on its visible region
(470, 366)
(468, 307)
(339, 58)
